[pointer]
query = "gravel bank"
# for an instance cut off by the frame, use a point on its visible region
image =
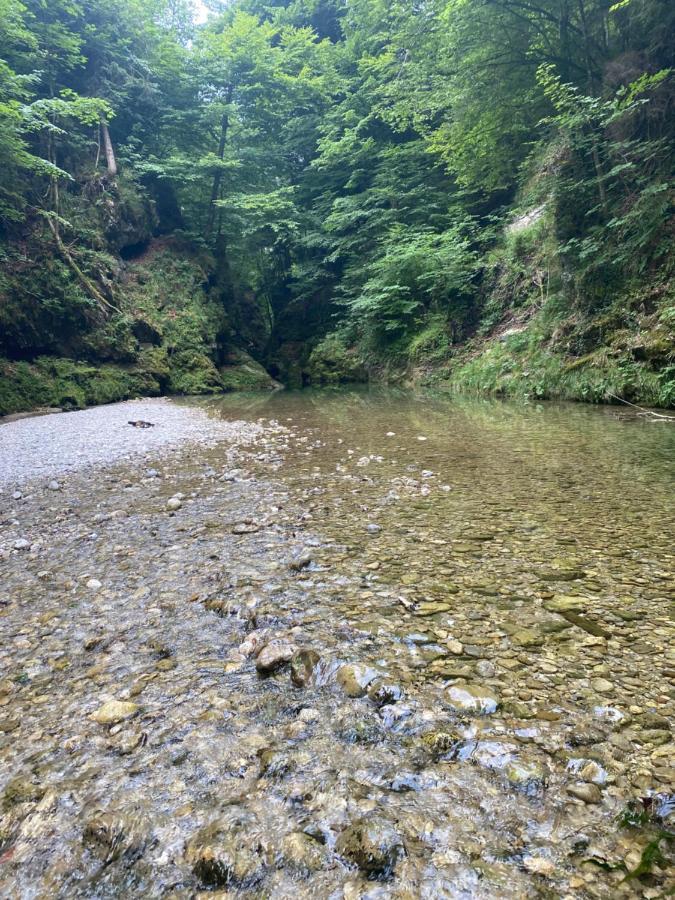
(48, 446)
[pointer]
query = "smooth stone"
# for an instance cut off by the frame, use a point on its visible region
(114, 711)
(455, 647)
(54, 486)
(173, 504)
(472, 698)
(589, 793)
(21, 544)
(94, 584)
(566, 603)
(273, 656)
(373, 844)
(526, 637)
(602, 686)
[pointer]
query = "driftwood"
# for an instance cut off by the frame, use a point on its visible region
(644, 412)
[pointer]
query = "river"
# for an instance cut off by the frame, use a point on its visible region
(389, 646)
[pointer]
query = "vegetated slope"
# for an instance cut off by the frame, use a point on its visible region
(477, 195)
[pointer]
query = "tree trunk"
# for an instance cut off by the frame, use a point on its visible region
(109, 152)
(218, 176)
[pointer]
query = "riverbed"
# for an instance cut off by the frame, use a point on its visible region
(326, 644)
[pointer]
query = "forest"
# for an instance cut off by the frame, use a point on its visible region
(471, 194)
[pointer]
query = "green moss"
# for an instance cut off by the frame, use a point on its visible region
(192, 372)
(245, 374)
(333, 362)
(66, 383)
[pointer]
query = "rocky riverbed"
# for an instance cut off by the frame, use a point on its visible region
(344, 645)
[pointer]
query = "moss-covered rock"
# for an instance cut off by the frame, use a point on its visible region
(193, 372)
(68, 384)
(243, 373)
(333, 362)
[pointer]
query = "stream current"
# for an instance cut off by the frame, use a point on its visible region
(395, 647)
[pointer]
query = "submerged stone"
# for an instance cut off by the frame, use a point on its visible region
(589, 793)
(273, 656)
(302, 853)
(472, 698)
(355, 679)
(114, 711)
(373, 844)
(382, 691)
(303, 663)
(220, 856)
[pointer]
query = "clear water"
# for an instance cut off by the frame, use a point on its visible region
(522, 555)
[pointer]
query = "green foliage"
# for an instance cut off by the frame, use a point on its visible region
(416, 272)
(333, 362)
(363, 169)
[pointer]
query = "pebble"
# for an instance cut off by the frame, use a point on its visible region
(589, 793)
(21, 544)
(173, 504)
(114, 711)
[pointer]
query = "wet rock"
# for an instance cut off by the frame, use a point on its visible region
(21, 790)
(373, 844)
(563, 603)
(587, 770)
(221, 856)
(455, 647)
(111, 836)
(372, 528)
(359, 729)
(527, 637)
(273, 656)
(472, 699)
(382, 691)
(589, 793)
(441, 743)
(602, 686)
(527, 775)
(114, 711)
(538, 865)
(303, 663)
(253, 643)
(300, 562)
(246, 527)
(486, 669)
(302, 853)
(355, 679)
(173, 504)
(275, 763)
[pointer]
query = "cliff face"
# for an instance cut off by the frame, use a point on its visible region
(161, 324)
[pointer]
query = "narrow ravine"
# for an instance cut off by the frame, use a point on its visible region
(352, 644)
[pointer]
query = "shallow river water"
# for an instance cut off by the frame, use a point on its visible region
(466, 681)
